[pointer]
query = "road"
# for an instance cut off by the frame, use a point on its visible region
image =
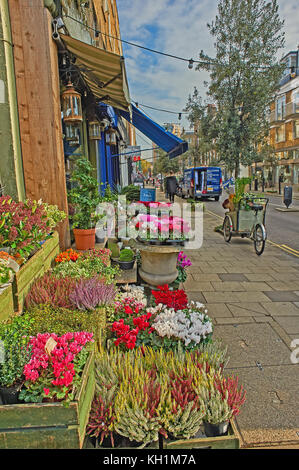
(282, 227)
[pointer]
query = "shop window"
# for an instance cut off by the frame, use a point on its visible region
(280, 108)
(280, 133)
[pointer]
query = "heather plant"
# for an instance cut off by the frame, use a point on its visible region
(145, 392)
(50, 319)
(49, 289)
(89, 294)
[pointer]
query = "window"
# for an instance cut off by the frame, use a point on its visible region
(296, 129)
(296, 101)
(280, 133)
(290, 61)
(280, 108)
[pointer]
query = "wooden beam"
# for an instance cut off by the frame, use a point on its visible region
(37, 80)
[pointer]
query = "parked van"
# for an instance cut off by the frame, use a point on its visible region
(202, 182)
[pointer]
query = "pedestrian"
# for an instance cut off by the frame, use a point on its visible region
(171, 186)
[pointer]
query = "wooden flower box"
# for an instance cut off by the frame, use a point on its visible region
(49, 425)
(39, 263)
(230, 441)
(6, 303)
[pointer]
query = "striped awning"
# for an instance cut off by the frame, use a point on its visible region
(104, 72)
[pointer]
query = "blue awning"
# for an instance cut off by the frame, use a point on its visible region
(156, 133)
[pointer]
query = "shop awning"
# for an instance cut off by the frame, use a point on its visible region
(103, 71)
(156, 133)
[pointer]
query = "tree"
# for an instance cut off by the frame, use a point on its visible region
(244, 75)
(201, 120)
(164, 164)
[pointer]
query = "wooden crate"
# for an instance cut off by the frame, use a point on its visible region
(39, 263)
(49, 425)
(231, 441)
(6, 303)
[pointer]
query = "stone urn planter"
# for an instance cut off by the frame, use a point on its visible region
(158, 264)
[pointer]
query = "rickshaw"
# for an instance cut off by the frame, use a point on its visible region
(247, 221)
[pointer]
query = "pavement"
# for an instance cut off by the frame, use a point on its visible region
(254, 304)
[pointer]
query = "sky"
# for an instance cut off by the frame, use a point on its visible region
(177, 27)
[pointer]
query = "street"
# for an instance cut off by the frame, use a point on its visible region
(282, 227)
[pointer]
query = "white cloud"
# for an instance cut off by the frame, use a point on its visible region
(177, 27)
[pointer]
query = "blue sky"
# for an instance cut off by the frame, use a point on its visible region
(177, 27)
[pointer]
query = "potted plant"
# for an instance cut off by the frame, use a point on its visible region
(126, 259)
(14, 354)
(223, 400)
(84, 197)
(23, 226)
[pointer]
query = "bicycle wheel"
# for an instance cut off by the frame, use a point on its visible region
(259, 239)
(227, 229)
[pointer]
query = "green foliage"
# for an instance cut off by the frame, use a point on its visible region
(131, 192)
(240, 185)
(126, 255)
(84, 196)
(50, 319)
(54, 215)
(244, 76)
(14, 335)
(86, 268)
(163, 164)
(34, 391)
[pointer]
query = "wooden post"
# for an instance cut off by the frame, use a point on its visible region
(38, 90)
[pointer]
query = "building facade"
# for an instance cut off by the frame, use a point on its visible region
(39, 144)
(284, 127)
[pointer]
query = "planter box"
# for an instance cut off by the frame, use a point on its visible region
(231, 441)
(39, 263)
(6, 303)
(49, 425)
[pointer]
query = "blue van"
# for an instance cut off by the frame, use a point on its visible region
(202, 182)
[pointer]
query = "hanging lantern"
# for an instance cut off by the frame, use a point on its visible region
(94, 130)
(111, 136)
(71, 105)
(72, 133)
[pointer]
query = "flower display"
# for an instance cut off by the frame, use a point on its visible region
(23, 225)
(88, 294)
(176, 299)
(170, 323)
(68, 255)
(189, 325)
(52, 375)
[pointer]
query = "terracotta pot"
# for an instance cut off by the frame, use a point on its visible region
(85, 239)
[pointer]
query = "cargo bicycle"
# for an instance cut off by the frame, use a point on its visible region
(248, 221)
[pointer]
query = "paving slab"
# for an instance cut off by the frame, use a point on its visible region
(270, 413)
(289, 324)
(196, 297)
(247, 308)
(256, 286)
(233, 277)
(218, 310)
(252, 343)
(281, 308)
(204, 277)
(232, 286)
(282, 296)
(263, 277)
